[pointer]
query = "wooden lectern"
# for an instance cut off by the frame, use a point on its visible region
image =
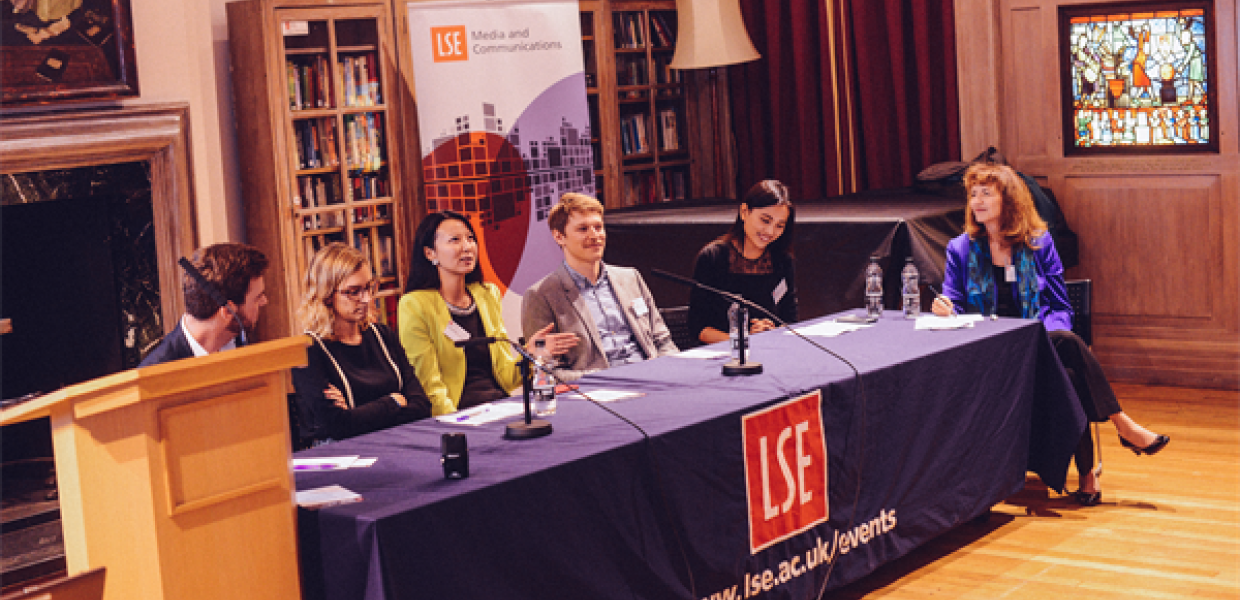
(177, 477)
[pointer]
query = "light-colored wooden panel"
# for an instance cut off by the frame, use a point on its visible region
(1135, 237)
(977, 74)
(1025, 38)
(210, 448)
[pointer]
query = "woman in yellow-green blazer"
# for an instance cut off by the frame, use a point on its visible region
(446, 299)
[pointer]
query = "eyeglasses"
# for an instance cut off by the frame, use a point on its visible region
(355, 293)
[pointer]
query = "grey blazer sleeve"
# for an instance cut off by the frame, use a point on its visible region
(544, 303)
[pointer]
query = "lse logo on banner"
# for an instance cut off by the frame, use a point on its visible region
(449, 43)
(785, 470)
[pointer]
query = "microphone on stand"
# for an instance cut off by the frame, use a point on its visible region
(740, 365)
(528, 428)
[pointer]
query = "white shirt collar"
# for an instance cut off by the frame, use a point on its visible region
(197, 348)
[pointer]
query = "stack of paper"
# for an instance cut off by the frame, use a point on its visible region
(935, 322)
(331, 463)
(830, 328)
(483, 413)
(323, 497)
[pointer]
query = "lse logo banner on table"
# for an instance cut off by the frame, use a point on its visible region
(785, 470)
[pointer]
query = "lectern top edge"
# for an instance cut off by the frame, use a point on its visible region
(173, 377)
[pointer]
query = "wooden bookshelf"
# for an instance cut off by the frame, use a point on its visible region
(313, 89)
(640, 115)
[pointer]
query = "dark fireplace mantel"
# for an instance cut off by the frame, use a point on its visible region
(157, 134)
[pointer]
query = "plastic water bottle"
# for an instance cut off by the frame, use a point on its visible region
(874, 289)
(542, 393)
(738, 316)
(910, 288)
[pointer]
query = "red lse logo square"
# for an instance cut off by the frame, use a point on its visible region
(785, 469)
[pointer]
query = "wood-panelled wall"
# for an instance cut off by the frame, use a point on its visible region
(1160, 235)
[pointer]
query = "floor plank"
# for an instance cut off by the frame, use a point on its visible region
(1168, 527)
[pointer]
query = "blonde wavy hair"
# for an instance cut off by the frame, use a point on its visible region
(330, 266)
(1019, 221)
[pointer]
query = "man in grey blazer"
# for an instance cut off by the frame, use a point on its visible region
(608, 307)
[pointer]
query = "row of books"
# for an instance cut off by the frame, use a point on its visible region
(309, 82)
(674, 185)
(641, 188)
(318, 190)
(363, 141)
(324, 190)
(327, 220)
(630, 30)
(316, 143)
(385, 251)
(368, 186)
(669, 129)
(664, 36)
(368, 214)
(631, 70)
(385, 245)
(633, 132)
(361, 80)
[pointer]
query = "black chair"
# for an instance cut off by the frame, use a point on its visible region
(1080, 297)
(1080, 292)
(677, 320)
(294, 424)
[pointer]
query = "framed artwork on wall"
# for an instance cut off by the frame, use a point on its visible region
(1138, 78)
(64, 50)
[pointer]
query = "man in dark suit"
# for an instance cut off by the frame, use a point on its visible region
(236, 272)
(608, 307)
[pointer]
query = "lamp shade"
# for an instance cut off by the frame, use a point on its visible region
(711, 33)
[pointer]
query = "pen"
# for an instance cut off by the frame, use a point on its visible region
(470, 415)
(315, 467)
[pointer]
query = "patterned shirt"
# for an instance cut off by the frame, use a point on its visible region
(613, 329)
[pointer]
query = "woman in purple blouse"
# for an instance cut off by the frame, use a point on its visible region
(1005, 264)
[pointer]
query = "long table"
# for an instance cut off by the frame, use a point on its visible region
(935, 427)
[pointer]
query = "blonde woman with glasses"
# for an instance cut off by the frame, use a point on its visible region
(357, 378)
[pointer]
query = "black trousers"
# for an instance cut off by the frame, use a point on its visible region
(1092, 388)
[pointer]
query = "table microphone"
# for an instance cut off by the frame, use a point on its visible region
(859, 391)
(740, 365)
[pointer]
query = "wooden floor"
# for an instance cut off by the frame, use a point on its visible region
(1168, 527)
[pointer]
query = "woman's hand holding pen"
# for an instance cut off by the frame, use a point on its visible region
(943, 306)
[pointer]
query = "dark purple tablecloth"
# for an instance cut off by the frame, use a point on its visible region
(947, 426)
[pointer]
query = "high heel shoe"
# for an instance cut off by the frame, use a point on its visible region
(1151, 449)
(1090, 498)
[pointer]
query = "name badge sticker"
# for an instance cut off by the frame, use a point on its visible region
(639, 306)
(778, 293)
(1009, 273)
(455, 332)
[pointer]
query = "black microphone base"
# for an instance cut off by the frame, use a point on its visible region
(520, 430)
(746, 368)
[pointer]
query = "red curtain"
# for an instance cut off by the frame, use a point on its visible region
(791, 108)
(848, 95)
(905, 56)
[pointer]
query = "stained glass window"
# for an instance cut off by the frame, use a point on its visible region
(1137, 78)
